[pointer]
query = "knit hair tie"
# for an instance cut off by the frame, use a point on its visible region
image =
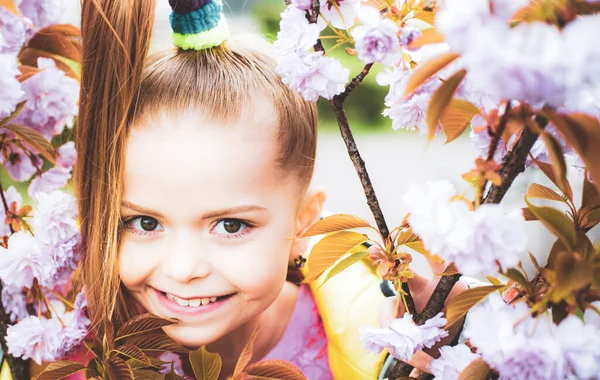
(198, 24)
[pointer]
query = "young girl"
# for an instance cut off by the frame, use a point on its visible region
(193, 181)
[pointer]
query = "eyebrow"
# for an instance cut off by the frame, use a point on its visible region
(208, 215)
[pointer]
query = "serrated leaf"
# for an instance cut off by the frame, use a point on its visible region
(13, 115)
(246, 355)
(458, 306)
(109, 336)
(557, 158)
(35, 139)
(156, 342)
(540, 191)
(429, 36)
(528, 215)
(406, 237)
(59, 370)
(427, 69)
(10, 6)
(206, 365)
(339, 267)
(133, 352)
(457, 117)
(477, 370)
(142, 324)
(275, 370)
(440, 100)
(557, 222)
(547, 169)
(118, 369)
(582, 133)
(335, 223)
(329, 249)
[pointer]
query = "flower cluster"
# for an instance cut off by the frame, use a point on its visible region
(523, 347)
(479, 242)
(403, 338)
(452, 361)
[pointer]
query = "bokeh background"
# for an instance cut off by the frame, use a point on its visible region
(394, 159)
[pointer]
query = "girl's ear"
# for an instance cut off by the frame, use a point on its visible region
(309, 213)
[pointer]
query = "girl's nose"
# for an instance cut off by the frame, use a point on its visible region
(185, 259)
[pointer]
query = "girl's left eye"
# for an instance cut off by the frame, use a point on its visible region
(143, 224)
(231, 227)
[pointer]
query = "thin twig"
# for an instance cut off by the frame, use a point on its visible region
(355, 82)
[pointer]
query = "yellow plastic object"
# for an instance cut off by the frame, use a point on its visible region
(5, 371)
(346, 302)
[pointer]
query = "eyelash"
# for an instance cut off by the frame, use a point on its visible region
(249, 227)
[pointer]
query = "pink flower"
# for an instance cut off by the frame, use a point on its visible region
(313, 75)
(302, 4)
(342, 16)
(76, 326)
(19, 165)
(174, 361)
(408, 35)
(11, 88)
(24, 259)
(66, 155)
(12, 32)
(377, 39)
(410, 114)
(51, 100)
(34, 338)
(403, 338)
(55, 217)
(296, 34)
(44, 13)
(12, 195)
(52, 179)
(14, 303)
(452, 361)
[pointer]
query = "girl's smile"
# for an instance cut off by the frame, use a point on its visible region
(194, 306)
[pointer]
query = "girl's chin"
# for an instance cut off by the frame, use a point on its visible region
(192, 337)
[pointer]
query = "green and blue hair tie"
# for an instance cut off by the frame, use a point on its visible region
(198, 24)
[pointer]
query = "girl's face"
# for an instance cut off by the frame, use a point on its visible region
(209, 220)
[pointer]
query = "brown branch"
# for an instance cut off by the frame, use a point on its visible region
(513, 163)
(354, 83)
(18, 368)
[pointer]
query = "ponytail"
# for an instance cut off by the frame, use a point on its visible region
(116, 38)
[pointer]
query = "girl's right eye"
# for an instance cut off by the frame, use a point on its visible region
(143, 225)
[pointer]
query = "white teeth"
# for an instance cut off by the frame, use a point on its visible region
(195, 303)
(191, 303)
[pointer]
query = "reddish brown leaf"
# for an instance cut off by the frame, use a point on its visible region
(151, 375)
(246, 355)
(590, 197)
(557, 222)
(549, 172)
(133, 352)
(429, 36)
(450, 270)
(426, 70)
(156, 342)
(329, 249)
(457, 117)
(59, 370)
(109, 336)
(540, 191)
(582, 132)
(275, 370)
(118, 369)
(206, 365)
(477, 370)
(459, 306)
(142, 324)
(13, 115)
(335, 223)
(440, 100)
(557, 158)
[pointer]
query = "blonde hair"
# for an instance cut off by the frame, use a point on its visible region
(120, 85)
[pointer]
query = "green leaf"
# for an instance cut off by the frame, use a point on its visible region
(457, 117)
(518, 277)
(329, 249)
(172, 375)
(459, 306)
(573, 272)
(59, 370)
(15, 113)
(118, 369)
(477, 370)
(156, 342)
(427, 69)
(151, 375)
(142, 324)
(335, 223)
(441, 99)
(275, 370)
(540, 191)
(339, 267)
(557, 158)
(206, 365)
(35, 139)
(557, 222)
